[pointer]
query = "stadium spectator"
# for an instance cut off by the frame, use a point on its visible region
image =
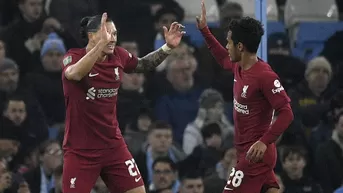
(294, 178)
(160, 140)
(329, 159)
(191, 182)
(211, 110)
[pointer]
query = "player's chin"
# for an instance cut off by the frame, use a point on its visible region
(108, 50)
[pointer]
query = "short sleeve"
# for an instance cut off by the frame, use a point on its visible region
(129, 60)
(273, 90)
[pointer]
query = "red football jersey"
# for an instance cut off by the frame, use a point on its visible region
(91, 118)
(257, 92)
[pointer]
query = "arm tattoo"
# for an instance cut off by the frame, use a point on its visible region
(151, 61)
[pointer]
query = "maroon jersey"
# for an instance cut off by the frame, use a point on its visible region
(257, 92)
(91, 118)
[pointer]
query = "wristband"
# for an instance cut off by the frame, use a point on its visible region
(166, 49)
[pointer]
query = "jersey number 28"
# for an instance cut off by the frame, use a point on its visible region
(235, 178)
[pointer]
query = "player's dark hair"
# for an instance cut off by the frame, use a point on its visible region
(43, 146)
(190, 175)
(293, 150)
(166, 160)
(158, 125)
(58, 171)
(248, 31)
(91, 24)
(211, 129)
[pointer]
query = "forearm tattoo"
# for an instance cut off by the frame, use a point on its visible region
(151, 60)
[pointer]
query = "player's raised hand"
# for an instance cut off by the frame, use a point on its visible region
(105, 35)
(174, 34)
(256, 152)
(201, 21)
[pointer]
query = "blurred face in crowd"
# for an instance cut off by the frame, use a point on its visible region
(2, 50)
(279, 181)
(216, 112)
(94, 37)
(9, 79)
(318, 79)
(165, 20)
(31, 9)
(52, 157)
(214, 141)
(192, 186)
(131, 46)
(144, 122)
(16, 112)
(133, 81)
(52, 61)
(161, 140)
(229, 12)
(339, 127)
(163, 175)
(8, 147)
(294, 165)
(182, 51)
(100, 186)
(5, 177)
(230, 157)
(180, 73)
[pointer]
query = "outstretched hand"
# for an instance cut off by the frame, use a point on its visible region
(105, 35)
(174, 34)
(201, 21)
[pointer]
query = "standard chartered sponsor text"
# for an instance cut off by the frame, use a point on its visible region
(106, 92)
(240, 108)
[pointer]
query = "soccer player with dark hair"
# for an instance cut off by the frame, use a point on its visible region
(91, 76)
(257, 94)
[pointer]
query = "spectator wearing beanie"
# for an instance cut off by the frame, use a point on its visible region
(211, 110)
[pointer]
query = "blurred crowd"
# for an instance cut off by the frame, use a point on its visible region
(177, 120)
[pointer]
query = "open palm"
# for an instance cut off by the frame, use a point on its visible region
(174, 35)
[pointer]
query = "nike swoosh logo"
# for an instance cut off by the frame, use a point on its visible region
(137, 179)
(228, 189)
(92, 75)
(234, 80)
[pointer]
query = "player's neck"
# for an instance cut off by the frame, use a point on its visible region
(248, 60)
(101, 58)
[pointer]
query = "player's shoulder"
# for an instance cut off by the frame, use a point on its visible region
(122, 52)
(76, 52)
(265, 70)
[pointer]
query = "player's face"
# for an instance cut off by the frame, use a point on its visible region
(234, 51)
(163, 176)
(192, 186)
(339, 126)
(111, 28)
(294, 165)
(16, 112)
(160, 140)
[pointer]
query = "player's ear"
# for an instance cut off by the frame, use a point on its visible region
(240, 46)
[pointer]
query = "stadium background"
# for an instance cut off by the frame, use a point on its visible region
(172, 112)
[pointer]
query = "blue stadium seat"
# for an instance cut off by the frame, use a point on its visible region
(311, 37)
(274, 27)
(194, 34)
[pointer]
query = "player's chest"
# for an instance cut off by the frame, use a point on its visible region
(105, 75)
(246, 90)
